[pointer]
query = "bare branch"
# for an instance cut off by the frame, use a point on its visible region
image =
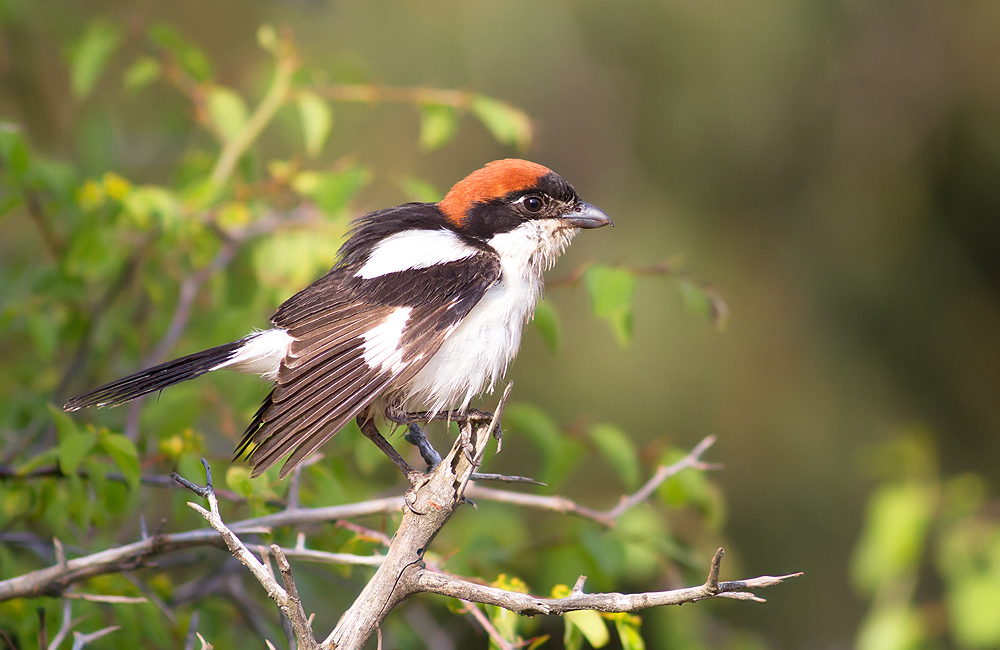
(608, 517)
(527, 605)
(286, 598)
(53, 580)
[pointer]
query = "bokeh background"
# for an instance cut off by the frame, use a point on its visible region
(832, 167)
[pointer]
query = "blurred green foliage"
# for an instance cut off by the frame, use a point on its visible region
(924, 527)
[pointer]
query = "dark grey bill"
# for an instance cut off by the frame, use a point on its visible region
(588, 216)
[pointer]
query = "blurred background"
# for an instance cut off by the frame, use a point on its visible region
(832, 168)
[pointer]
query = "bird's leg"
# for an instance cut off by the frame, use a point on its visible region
(367, 426)
(416, 437)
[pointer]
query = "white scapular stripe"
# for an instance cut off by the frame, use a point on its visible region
(261, 354)
(414, 249)
(382, 349)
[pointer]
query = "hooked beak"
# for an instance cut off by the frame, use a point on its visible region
(587, 216)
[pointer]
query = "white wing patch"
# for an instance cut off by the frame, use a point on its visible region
(382, 348)
(261, 353)
(414, 249)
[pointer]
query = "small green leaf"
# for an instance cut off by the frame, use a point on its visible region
(419, 190)
(592, 625)
(193, 61)
(317, 119)
(615, 445)
(226, 111)
(331, 190)
(559, 453)
(438, 124)
(507, 124)
(547, 323)
(611, 291)
(267, 37)
(706, 301)
(13, 151)
(125, 455)
(143, 72)
(91, 55)
(74, 445)
(894, 535)
(891, 627)
(628, 633)
(238, 480)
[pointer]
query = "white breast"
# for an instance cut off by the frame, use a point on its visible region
(479, 349)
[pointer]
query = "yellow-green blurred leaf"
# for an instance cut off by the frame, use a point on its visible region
(227, 112)
(90, 56)
(894, 534)
(591, 625)
(238, 480)
(438, 124)
(615, 446)
(706, 301)
(144, 71)
(317, 120)
(509, 125)
(611, 292)
(547, 323)
(896, 627)
(74, 444)
(419, 190)
(125, 455)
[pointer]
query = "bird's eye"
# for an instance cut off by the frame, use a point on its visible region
(533, 204)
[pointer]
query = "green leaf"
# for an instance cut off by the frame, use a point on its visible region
(419, 190)
(572, 636)
(143, 72)
(559, 453)
(592, 625)
(705, 301)
(628, 633)
(547, 323)
(13, 150)
(267, 37)
(74, 445)
(317, 119)
(144, 202)
(193, 61)
(90, 56)
(238, 480)
(125, 456)
(507, 124)
(226, 111)
(894, 535)
(892, 627)
(615, 445)
(438, 124)
(331, 190)
(611, 292)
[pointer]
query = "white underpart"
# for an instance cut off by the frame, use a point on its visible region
(414, 249)
(478, 351)
(261, 354)
(381, 347)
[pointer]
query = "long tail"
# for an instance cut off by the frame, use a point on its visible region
(157, 377)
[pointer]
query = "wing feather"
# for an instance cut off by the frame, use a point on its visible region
(326, 379)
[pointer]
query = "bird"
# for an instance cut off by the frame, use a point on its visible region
(422, 311)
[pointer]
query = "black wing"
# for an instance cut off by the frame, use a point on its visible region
(326, 379)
